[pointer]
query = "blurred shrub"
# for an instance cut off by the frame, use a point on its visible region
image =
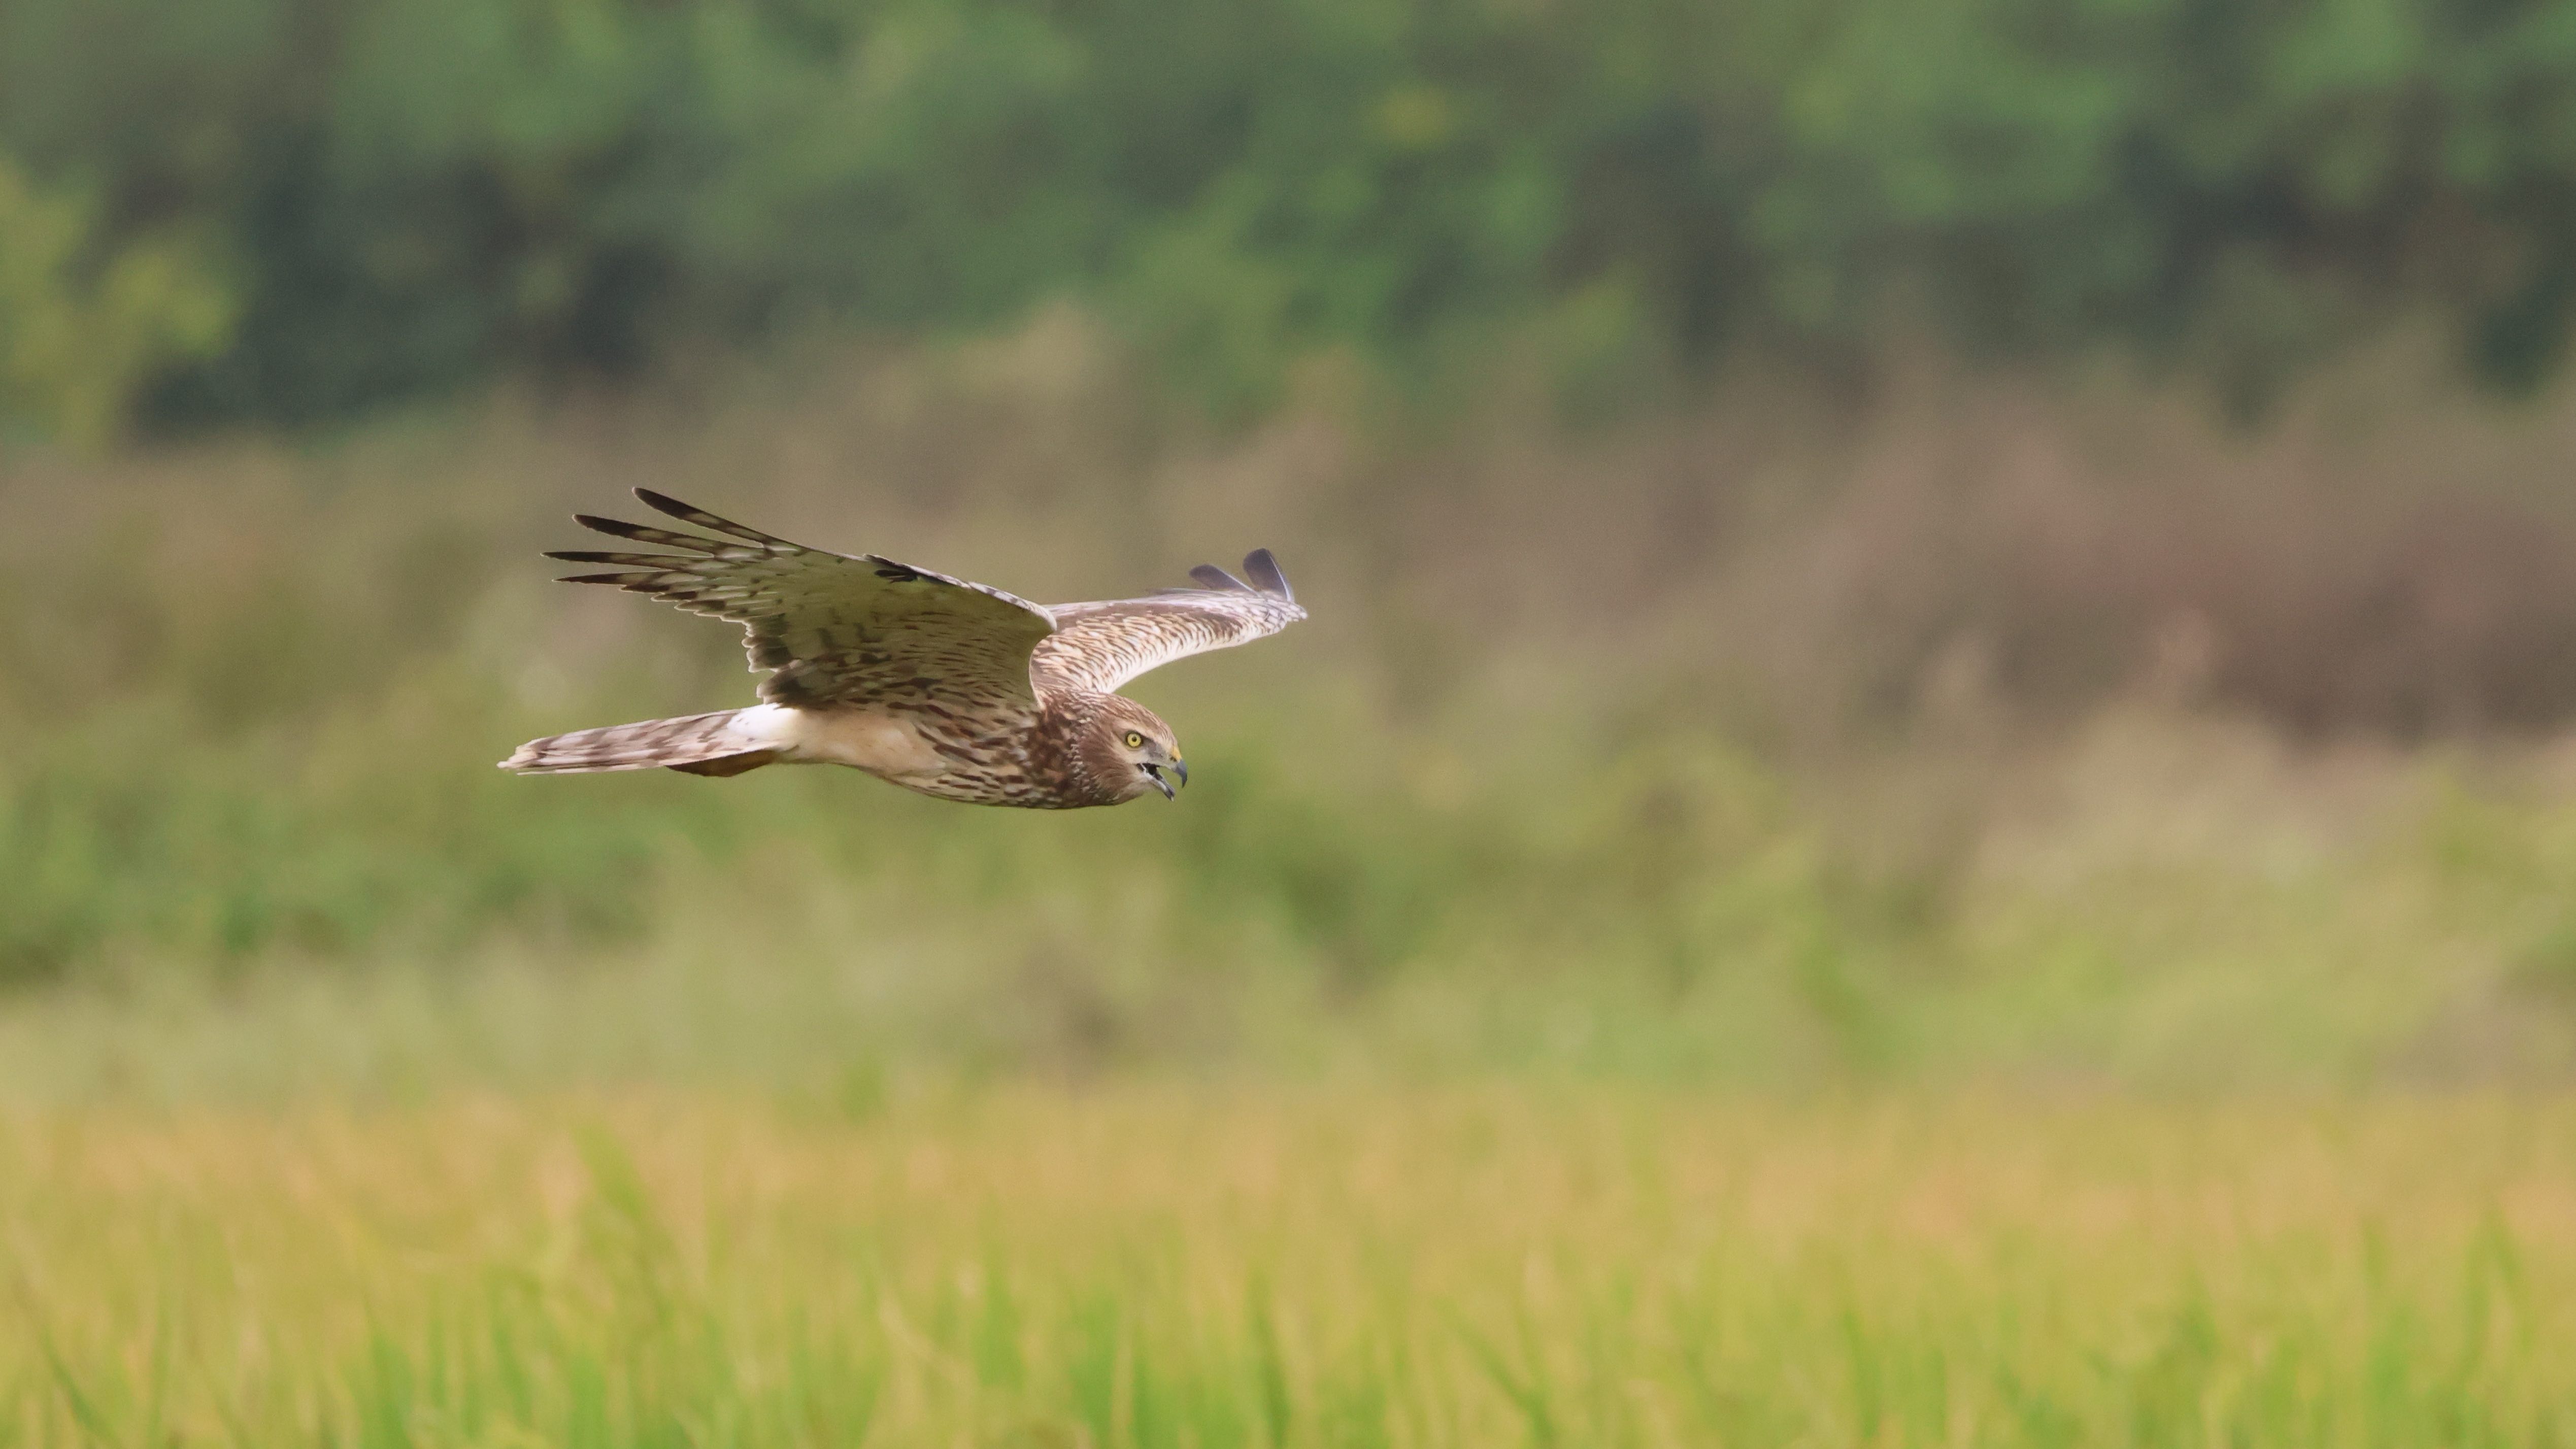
(1508, 798)
(82, 335)
(420, 191)
(2448, 610)
(221, 751)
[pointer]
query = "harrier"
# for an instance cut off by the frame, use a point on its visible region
(947, 687)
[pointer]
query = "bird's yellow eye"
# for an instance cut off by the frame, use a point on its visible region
(1135, 741)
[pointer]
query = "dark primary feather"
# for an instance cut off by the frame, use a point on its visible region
(618, 528)
(664, 503)
(632, 560)
(1264, 570)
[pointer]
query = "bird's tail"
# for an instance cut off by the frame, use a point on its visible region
(727, 742)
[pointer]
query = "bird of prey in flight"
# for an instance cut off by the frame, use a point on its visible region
(951, 688)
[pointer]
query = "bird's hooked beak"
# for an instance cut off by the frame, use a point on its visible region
(1178, 767)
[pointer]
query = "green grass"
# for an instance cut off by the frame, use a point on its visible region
(1143, 1267)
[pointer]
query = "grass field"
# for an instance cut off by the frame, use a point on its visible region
(1794, 1023)
(1144, 1266)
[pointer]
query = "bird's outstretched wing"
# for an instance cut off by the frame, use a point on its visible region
(833, 628)
(1102, 646)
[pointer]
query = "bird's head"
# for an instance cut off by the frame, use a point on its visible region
(1128, 751)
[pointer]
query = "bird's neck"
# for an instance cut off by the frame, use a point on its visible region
(1056, 747)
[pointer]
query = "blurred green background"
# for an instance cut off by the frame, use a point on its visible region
(287, 211)
(1886, 539)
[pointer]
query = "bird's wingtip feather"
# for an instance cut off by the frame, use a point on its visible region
(1262, 566)
(664, 503)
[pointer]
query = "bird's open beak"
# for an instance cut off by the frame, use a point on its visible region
(1155, 774)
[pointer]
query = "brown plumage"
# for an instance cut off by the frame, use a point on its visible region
(939, 685)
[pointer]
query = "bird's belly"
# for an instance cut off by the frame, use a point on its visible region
(885, 745)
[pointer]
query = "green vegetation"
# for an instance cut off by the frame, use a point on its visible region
(84, 321)
(349, 201)
(1866, 901)
(1143, 1269)
(1475, 817)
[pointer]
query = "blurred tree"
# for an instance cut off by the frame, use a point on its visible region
(418, 192)
(81, 335)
